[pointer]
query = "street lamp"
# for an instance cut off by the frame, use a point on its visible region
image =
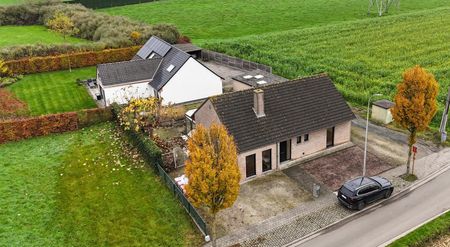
(367, 130)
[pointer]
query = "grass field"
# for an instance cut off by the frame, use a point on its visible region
(212, 19)
(362, 57)
(426, 234)
(22, 35)
(54, 92)
(86, 189)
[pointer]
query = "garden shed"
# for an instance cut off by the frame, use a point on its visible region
(381, 111)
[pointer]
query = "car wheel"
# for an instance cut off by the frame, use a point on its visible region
(361, 205)
(388, 194)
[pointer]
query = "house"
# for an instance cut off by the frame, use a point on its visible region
(381, 111)
(277, 123)
(161, 70)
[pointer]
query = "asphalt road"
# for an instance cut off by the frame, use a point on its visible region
(390, 219)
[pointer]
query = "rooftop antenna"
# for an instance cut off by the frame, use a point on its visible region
(443, 127)
(382, 5)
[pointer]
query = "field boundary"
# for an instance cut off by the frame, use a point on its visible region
(208, 55)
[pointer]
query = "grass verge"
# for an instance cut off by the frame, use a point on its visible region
(54, 92)
(86, 188)
(426, 234)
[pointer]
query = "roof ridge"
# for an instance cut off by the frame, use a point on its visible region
(131, 61)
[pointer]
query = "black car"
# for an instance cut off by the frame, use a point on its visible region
(358, 192)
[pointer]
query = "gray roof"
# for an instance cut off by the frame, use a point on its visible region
(384, 103)
(187, 47)
(128, 71)
(258, 78)
(291, 108)
(171, 56)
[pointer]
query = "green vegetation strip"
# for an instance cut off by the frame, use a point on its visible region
(426, 234)
(54, 92)
(363, 57)
(24, 35)
(86, 188)
(212, 19)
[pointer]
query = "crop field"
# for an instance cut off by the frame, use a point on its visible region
(24, 35)
(54, 92)
(363, 57)
(212, 19)
(86, 188)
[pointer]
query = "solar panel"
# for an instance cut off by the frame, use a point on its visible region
(154, 45)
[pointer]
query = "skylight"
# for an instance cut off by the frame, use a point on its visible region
(151, 55)
(170, 68)
(259, 76)
(261, 82)
(248, 77)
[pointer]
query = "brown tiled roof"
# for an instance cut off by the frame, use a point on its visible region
(291, 108)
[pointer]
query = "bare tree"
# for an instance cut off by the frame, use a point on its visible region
(383, 5)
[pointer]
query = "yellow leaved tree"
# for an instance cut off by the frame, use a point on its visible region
(4, 71)
(140, 114)
(212, 170)
(415, 104)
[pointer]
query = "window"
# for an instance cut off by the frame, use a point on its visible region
(306, 137)
(151, 55)
(299, 139)
(170, 68)
(250, 165)
(367, 190)
(267, 160)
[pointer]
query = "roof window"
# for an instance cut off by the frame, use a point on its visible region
(170, 68)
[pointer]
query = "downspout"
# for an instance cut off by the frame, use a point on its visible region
(277, 161)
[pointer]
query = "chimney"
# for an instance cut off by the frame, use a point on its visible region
(258, 102)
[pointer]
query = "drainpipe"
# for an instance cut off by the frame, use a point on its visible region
(277, 159)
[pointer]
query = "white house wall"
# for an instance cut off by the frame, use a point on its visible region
(122, 94)
(193, 81)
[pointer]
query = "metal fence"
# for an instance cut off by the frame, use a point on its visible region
(221, 58)
(98, 4)
(178, 193)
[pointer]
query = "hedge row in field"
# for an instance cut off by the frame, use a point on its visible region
(105, 30)
(71, 60)
(18, 129)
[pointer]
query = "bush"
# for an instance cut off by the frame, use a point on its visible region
(18, 129)
(108, 31)
(77, 60)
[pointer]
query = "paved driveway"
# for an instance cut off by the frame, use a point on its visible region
(334, 169)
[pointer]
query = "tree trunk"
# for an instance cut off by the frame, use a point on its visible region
(408, 163)
(213, 233)
(411, 142)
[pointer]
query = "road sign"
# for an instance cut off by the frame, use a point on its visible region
(414, 149)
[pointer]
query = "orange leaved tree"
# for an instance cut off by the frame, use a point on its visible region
(212, 170)
(415, 104)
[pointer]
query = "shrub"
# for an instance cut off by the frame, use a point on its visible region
(108, 31)
(77, 60)
(10, 106)
(94, 116)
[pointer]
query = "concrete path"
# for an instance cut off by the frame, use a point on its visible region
(383, 223)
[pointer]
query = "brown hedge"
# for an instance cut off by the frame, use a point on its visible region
(18, 129)
(75, 60)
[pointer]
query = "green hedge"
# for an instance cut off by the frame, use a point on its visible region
(426, 234)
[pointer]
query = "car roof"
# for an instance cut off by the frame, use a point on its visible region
(359, 182)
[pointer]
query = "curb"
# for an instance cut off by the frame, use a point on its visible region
(344, 220)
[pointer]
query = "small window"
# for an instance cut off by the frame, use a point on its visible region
(267, 160)
(151, 55)
(299, 139)
(170, 68)
(306, 137)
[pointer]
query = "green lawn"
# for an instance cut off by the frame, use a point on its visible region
(54, 92)
(22, 35)
(424, 235)
(10, 2)
(85, 189)
(366, 56)
(212, 19)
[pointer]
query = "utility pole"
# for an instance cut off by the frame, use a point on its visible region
(443, 127)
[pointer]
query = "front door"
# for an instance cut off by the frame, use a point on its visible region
(250, 165)
(285, 151)
(330, 137)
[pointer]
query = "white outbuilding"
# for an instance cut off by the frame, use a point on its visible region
(159, 69)
(381, 111)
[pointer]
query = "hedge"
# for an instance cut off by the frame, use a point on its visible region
(18, 129)
(73, 60)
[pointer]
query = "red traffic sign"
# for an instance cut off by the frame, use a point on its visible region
(414, 149)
